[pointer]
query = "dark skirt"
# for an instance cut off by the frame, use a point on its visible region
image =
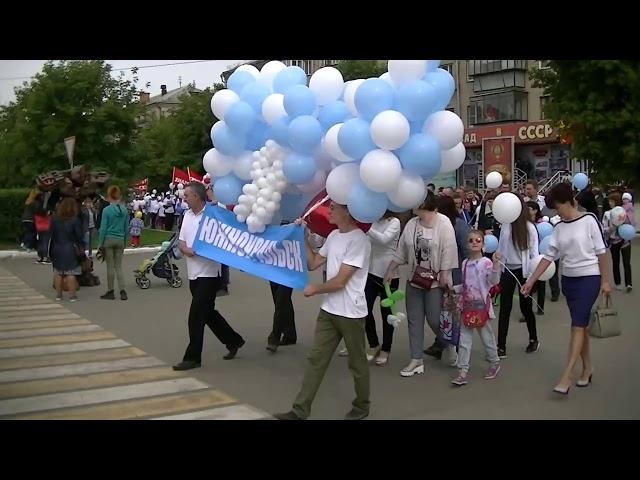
(581, 294)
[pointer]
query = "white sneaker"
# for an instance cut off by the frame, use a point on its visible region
(343, 353)
(415, 367)
(372, 353)
(453, 356)
(619, 288)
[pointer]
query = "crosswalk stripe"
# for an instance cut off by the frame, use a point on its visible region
(49, 331)
(21, 308)
(232, 412)
(86, 382)
(61, 348)
(40, 373)
(55, 339)
(38, 318)
(53, 401)
(12, 292)
(137, 409)
(17, 300)
(5, 327)
(71, 358)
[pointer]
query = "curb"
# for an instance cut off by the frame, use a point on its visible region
(16, 254)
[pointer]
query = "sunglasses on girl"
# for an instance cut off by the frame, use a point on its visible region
(475, 240)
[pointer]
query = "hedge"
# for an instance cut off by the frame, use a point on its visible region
(11, 208)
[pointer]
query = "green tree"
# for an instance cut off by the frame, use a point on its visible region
(595, 103)
(69, 98)
(354, 69)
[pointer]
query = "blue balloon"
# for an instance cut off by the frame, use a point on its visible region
(416, 127)
(544, 229)
(280, 131)
(258, 136)
(332, 114)
(292, 205)
(227, 189)
(444, 85)
(238, 80)
(490, 243)
(299, 100)
(240, 117)
(432, 65)
(416, 100)
(365, 205)
(421, 155)
(299, 168)
(543, 246)
(287, 78)
(228, 142)
(305, 134)
(394, 208)
(372, 97)
(627, 232)
(580, 181)
(354, 138)
(254, 94)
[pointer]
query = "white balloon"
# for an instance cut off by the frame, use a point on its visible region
(270, 207)
(277, 165)
(260, 227)
(618, 216)
(387, 78)
(154, 191)
(217, 164)
(256, 155)
(332, 147)
(263, 152)
(350, 95)
(545, 218)
(404, 71)
(261, 182)
(316, 184)
(493, 180)
(269, 71)
(243, 165)
(256, 174)
(273, 107)
(452, 159)
(261, 213)
(221, 101)
(555, 219)
(380, 170)
(181, 193)
(327, 83)
(250, 69)
(264, 163)
(549, 271)
(271, 145)
(241, 210)
(276, 197)
(506, 207)
(260, 201)
(281, 185)
(180, 186)
(255, 165)
(341, 180)
(172, 185)
(390, 130)
(242, 199)
(250, 189)
(410, 191)
(279, 174)
(265, 192)
(241, 218)
(251, 199)
(446, 127)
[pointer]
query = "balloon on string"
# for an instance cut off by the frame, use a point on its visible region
(506, 207)
(327, 84)
(390, 130)
(365, 205)
(544, 229)
(257, 137)
(409, 192)
(250, 69)
(372, 97)
(547, 274)
(452, 159)
(354, 138)
(493, 180)
(395, 208)
(420, 155)
(332, 146)
(269, 71)
(405, 71)
(618, 216)
(627, 232)
(226, 141)
(280, 131)
(446, 127)
(222, 100)
(227, 189)
(490, 243)
(242, 166)
(180, 186)
(580, 181)
(380, 170)
(240, 117)
(341, 180)
(273, 108)
(444, 86)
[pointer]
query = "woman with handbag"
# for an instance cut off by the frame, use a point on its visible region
(66, 248)
(517, 245)
(579, 240)
(428, 245)
(114, 230)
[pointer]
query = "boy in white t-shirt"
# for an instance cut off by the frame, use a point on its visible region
(342, 314)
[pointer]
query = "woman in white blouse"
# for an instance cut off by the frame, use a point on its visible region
(384, 235)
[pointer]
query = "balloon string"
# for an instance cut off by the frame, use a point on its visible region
(316, 206)
(520, 285)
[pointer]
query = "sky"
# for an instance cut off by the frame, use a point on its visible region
(204, 74)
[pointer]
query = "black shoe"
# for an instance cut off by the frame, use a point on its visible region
(272, 347)
(284, 342)
(287, 416)
(434, 352)
(533, 346)
(540, 312)
(108, 296)
(233, 351)
(356, 415)
(186, 365)
(123, 295)
(554, 298)
(502, 353)
(523, 320)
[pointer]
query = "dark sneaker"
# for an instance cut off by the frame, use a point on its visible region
(123, 295)
(355, 414)
(554, 298)
(186, 365)
(434, 351)
(287, 416)
(272, 347)
(233, 351)
(523, 320)
(533, 346)
(108, 296)
(539, 312)
(502, 352)
(629, 288)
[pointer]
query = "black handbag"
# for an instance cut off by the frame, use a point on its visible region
(422, 277)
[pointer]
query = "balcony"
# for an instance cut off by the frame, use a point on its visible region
(482, 67)
(508, 106)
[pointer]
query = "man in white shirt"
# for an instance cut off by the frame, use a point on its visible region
(342, 315)
(154, 206)
(204, 282)
(532, 194)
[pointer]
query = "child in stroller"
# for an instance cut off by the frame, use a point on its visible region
(161, 265)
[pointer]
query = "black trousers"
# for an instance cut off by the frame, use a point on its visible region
(373, 290)
(43, 245)
(554, 283)
(168, 222)
(203, 312)
(29, 235)
(152, 222)
(616, 250)
(284, 320)
(509, 285)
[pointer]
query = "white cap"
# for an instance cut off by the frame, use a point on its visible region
(627, 196)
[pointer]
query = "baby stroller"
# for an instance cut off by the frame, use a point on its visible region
(161, 265)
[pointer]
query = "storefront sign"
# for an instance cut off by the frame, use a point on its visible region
(522, 133)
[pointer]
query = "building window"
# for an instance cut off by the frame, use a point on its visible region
(543, 101)
(499, 107)
(481, 67)
(542, 64)
(495, 81)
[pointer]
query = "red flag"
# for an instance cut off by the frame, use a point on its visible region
(194, 176)
(180, 176)
(141, 186)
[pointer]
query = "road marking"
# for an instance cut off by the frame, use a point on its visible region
(38, 318)
(38, 403)
(12, 292)
(136, 409)
(22, 308)
(55, 339)
(49, 331)
(86, 382)
(21, 299)
(40, 373)
(62, 348)
(232, 412)
(45, 324)
(71, 358)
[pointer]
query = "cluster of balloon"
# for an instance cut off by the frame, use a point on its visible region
(373, 143)
(317, 216)
(261, 198)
